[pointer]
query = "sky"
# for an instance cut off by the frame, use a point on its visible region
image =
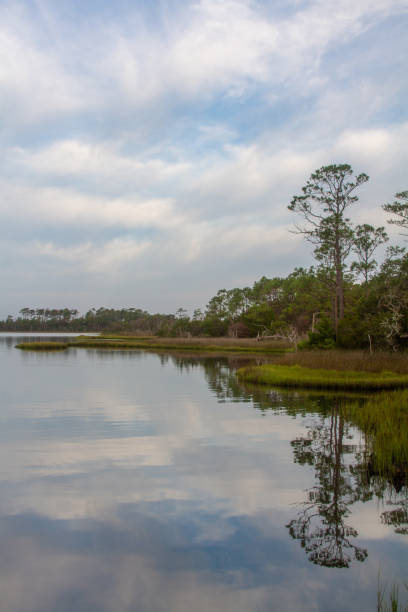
(150, 149)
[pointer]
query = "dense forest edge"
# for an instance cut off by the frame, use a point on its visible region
(347, 300)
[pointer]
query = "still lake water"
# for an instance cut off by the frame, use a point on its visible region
(132, 481)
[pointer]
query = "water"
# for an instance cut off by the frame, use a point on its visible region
(137, 481)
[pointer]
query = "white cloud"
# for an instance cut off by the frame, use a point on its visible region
(81, 159)
(33, 80)
(178, 142)
(59, 205)
(229, 207)
(71, 253)
(229, 47)
(103, 258)
(211, 47)
(381, 146)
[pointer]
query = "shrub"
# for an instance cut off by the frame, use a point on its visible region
(323, 338)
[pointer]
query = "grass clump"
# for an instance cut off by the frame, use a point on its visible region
(313, 378)
(360, 361)
(42, 346)
(390, 603)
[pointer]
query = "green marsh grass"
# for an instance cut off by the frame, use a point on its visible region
(360, 361)
(313, 378)
(384, 421)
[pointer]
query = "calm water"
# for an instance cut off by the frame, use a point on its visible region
(133, 481)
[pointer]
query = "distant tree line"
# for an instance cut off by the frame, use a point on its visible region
(346, 299)
(95, 320)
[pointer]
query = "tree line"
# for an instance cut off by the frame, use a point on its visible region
(95, 320)
(346, 299)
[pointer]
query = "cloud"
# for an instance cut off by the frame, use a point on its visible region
(105, 258)
(58, 205)
(228, 47)
(176, 139)
(79, 159)
(33, 80)
(207, 48)
(381, 146)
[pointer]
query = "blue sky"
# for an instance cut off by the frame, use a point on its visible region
(150, 149)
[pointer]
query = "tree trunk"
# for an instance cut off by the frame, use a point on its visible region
(339, 286)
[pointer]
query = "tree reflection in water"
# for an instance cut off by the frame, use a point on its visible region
(398, 517)
(321, 526)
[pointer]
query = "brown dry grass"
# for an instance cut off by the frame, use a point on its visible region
(359, 361)
(206, 341)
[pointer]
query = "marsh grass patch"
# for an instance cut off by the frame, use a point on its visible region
(314, 378)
